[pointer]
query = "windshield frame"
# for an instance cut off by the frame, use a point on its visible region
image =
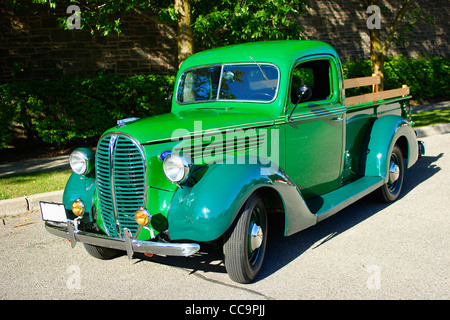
(222, 66)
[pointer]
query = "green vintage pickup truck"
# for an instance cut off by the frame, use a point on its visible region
(254, 129)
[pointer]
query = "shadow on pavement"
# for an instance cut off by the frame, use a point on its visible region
(283, 250)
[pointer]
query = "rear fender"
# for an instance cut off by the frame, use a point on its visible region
(386, 131)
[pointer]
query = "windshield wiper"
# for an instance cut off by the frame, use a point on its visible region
(262, 71)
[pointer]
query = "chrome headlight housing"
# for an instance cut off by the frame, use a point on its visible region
(176, 167)
(82, 161)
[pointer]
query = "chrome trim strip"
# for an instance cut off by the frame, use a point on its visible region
(255, 125)
(322, 112)
(112, 147)
(218, 87)
(128, 244)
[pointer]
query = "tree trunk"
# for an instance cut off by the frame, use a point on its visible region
(377, 56)
(378, 51)
(185, 38)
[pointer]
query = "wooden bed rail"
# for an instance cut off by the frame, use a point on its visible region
(376, 95)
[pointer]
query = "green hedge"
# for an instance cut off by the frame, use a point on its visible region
(428, 78)
(60, 111)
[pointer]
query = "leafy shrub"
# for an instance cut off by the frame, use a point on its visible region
(60, 111)
(70, 109)
(7, 116)
(428, 78)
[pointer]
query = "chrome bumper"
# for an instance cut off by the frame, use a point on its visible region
(69, 231)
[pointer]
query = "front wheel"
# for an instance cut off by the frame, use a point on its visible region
(245, 242)
(390, 191)
(101, 252)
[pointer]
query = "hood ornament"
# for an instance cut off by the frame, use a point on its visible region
(123, 122)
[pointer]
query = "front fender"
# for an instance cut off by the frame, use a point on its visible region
(79, 186)
(205, 211)
(386, 131)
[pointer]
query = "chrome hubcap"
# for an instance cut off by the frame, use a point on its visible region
(394, 172)
(256, 236)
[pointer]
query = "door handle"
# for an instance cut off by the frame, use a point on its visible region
(337, 119)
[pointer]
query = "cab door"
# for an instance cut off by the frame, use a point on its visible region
(315, 130)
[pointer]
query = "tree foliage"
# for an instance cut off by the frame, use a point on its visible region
(210, 23)
(229, 22)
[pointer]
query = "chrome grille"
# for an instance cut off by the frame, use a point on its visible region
(120, 167)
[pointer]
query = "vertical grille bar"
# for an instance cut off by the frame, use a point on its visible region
(121, 181)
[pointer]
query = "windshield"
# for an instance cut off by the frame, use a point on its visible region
(237, 82)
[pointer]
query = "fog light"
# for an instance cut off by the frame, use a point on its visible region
(78, 207)
(142, 216)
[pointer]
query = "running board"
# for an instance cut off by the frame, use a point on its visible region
(328, 204)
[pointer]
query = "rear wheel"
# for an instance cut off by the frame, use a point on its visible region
(245, 242)
(390, 191)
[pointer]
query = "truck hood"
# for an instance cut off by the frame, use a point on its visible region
(169, 126)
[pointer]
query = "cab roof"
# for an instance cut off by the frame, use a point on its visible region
(280, 52)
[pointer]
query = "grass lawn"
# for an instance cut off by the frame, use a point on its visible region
(20, 185)
(428, 118)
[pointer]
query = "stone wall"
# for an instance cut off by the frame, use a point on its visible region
(32, 46)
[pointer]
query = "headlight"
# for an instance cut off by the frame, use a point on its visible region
(176, 167)
(82, 160)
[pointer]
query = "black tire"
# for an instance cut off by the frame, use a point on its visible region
(243, 251)
(101, 252)
(390, 191)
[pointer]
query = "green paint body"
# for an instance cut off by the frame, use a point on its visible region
(324, 151)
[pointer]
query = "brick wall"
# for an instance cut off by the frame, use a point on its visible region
(342, 23)
(34, 47)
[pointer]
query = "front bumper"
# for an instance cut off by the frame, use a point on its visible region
(70, 231)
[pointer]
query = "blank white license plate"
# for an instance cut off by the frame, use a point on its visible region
(53, 212)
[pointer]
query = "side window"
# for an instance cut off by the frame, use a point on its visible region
(314, 74)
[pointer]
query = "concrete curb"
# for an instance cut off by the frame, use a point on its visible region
(433, 130)
(11, 207)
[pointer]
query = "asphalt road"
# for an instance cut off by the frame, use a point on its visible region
(367, 251)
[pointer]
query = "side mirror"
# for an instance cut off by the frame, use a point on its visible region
(304, 93)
